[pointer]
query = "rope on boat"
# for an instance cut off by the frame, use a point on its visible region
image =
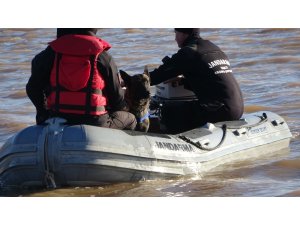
(224, 127)
(49, 177)
(200, 146)
(263, 119)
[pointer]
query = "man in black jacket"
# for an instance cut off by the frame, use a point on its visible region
(107, 101)
(207, 72)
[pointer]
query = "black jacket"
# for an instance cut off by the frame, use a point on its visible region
(39, 82)
(207, 73)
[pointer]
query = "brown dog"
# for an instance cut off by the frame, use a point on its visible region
(137, 96)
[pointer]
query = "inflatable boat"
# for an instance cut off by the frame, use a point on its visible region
(58, 155)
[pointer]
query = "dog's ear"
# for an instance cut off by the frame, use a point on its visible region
(146, 71)
(126, 77)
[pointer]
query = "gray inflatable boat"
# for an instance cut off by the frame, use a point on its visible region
(62, 155)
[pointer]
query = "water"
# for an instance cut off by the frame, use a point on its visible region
(266, 62)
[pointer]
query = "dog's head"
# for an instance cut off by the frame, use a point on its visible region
(137, 86)
(137, 96)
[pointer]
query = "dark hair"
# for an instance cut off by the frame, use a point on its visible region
(189, 31)
(86, 31)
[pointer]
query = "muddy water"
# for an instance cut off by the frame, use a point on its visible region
(266, 62)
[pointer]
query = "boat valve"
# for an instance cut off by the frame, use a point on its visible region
(240, 132)
(277, 122)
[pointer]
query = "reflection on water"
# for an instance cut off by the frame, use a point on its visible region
(265, 66)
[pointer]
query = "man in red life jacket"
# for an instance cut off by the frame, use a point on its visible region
(75, 78)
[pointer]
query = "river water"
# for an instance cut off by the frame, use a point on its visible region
(266, 62)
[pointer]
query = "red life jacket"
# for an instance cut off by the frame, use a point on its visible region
(76, 83)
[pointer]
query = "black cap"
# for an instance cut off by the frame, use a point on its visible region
(86, 31)
(189, 31)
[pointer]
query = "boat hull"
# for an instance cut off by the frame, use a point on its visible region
(62, 155)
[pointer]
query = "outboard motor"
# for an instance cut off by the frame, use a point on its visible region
(169, 96)
(174, 90)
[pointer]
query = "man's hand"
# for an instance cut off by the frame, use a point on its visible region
(176, 81)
